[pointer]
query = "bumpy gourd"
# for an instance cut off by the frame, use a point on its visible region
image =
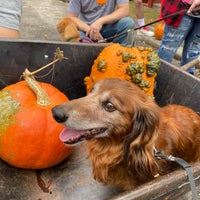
(138, 65)
(29, 136)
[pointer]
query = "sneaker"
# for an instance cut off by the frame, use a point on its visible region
(145, 31)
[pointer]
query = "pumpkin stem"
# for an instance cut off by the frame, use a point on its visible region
(42, 97)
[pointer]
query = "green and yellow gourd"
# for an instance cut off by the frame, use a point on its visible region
(138, 65)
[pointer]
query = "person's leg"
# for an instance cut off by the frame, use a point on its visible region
(139, 12)
(173, 38)
(82, 34)
(191, 48)
(121, 26)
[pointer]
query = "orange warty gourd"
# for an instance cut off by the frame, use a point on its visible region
(159, 30)
(29, 136)
(135, 64)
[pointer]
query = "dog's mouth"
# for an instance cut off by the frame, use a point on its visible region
(72, 136)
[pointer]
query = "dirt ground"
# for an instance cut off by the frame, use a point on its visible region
(39, 19)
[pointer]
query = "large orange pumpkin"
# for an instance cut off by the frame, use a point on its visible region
(159, 30)
(29, 136)
(135, 64)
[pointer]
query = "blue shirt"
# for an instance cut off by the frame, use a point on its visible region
(10, 13)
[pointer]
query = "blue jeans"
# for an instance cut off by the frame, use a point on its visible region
(187, 32)
(120, 26)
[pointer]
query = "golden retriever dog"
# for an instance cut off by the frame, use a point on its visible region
(68, 30)
(123, 127)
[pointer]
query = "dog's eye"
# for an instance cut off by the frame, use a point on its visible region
(108, 106)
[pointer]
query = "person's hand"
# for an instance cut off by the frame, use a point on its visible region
(94, 31)
(94, 34)
(195, 5)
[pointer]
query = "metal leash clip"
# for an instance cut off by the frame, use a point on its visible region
(186, 166)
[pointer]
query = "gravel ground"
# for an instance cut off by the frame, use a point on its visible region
(39, 19)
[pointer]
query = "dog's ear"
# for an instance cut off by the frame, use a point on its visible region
(138, 145)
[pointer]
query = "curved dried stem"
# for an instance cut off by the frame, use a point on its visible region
(59, 55)
(42, 97)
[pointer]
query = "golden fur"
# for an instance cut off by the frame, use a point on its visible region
(68, 30)
(124, 154)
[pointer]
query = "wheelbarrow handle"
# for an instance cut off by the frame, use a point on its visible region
(191, 64)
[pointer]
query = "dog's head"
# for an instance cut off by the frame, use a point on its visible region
(119, 111)
(68, 30)
(113, 108)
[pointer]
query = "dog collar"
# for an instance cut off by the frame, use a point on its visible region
(70, 39)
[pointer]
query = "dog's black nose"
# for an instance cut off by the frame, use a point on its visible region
(58, 114)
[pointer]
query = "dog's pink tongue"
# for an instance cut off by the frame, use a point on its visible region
(68, 134)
